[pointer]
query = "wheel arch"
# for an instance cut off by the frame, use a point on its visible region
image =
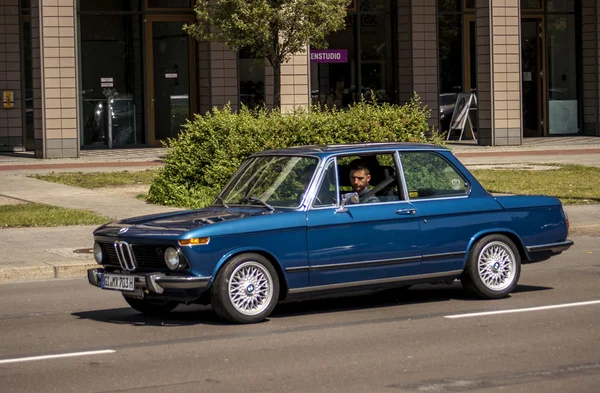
(498, 231)
(283, 285)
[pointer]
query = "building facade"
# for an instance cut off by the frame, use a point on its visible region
(81, 74)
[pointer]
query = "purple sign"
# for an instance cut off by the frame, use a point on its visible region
(329, 56)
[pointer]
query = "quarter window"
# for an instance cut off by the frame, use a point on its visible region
(327, 193)
(429, 175)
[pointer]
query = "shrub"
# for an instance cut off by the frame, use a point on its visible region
(211, 147)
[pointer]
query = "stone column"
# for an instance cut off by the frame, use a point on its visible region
(55, 78)
(295, 90)
(11, 120)
(204, 99)
(590, 11)
(418, 70)
(404, 60)
(499, 72)
(224, 81)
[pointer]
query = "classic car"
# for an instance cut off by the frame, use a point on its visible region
(290, 223)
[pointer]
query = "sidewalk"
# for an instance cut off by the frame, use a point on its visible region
(45, 253)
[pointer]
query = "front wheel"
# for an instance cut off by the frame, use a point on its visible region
(151, 307)
(246, 289)
(493, 267)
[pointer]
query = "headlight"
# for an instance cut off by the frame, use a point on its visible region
(98, 253)
(172, 258)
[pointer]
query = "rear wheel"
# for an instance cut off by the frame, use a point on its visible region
(246, 289)
(151, 307)
(493, 267)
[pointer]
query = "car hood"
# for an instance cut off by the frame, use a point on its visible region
(178, 222)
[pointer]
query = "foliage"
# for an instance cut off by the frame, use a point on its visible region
(211, 147)
(38, 215)
(269, 29)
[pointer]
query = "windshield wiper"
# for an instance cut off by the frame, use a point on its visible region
(256, 200)
(218, 198)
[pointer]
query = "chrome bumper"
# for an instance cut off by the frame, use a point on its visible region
(156, 282)
(553, 247)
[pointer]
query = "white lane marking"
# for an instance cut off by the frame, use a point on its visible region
(62, 355)
(481, 314)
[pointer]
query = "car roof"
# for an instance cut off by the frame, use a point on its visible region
(349, 148)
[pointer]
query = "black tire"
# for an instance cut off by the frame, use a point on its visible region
(246, 289)
(493, 267)
(151, 307)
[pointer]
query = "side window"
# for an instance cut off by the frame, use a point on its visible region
(374, 177)
(430, 175)
(327, 192)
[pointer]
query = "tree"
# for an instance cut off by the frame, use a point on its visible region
(269, 29)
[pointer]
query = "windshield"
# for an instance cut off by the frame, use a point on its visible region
(271, 181)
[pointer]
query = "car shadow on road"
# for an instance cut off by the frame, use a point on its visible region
(182, 316)
(203, 315)
(419, 294)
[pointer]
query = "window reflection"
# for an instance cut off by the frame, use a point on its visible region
(359, 59)
(252, 80)
(118, 40)
(562, 74)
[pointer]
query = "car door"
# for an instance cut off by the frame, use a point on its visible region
(448, 214)
(365, 243)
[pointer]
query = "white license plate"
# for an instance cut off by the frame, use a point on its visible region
(118, 282)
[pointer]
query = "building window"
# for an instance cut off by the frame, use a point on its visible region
(169, 3)
(111, 62)
(359, 59)
(252, 80)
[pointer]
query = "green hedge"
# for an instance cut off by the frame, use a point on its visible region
(211, 147)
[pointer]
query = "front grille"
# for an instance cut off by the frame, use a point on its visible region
(145, 257)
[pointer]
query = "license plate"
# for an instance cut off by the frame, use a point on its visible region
(118, 282)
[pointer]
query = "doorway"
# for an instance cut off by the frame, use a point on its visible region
(171, 76)
(533, 72)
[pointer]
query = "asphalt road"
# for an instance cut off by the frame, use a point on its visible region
(390, 342)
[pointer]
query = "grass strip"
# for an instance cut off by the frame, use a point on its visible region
(572, 184)
(93, 180)
(39, 215)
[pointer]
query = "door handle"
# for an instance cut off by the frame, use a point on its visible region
(406, 212)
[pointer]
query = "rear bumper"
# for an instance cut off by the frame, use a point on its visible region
(553, 247)
(159, 285)
(545, 251)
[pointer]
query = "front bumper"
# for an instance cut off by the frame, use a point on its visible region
(159, 285)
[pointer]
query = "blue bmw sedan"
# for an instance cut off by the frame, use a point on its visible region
(314, 220)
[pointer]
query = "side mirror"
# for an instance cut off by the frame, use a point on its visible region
(346, 198)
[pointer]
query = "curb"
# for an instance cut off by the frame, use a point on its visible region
(45, 272)
(79, 270)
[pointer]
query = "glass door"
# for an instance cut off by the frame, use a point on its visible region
(532, 76)
(171, 76)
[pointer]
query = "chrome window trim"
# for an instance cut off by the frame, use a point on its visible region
(316, 182)
(401, 175)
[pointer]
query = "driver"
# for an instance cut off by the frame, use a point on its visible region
(359, 179)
